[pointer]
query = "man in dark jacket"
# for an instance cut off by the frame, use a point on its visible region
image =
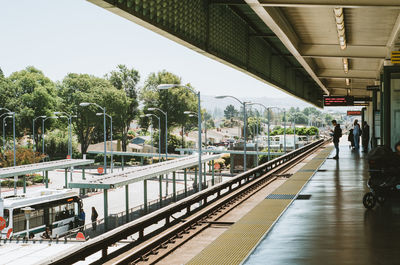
(365, 136)
(337, 133)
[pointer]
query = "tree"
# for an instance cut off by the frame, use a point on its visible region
(78, 88)
(29, 93)
(127, 80)
(175, 101)
(230, 112)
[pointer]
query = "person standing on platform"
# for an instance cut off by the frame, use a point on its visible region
(337, 133)
(82, 217)
(94, 218)
(357, 133)
(365, 136)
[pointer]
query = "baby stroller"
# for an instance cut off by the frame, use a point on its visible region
(384, 181)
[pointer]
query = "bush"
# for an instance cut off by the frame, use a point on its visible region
(227, 159)
(56, 143)
(23, 156)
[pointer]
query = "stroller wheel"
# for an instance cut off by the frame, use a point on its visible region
(381, 199)
(369, 200)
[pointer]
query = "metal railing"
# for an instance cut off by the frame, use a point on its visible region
(138, 226)
(117, 219)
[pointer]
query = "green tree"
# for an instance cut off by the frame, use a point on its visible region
(174, 101)
(230, 112)
(29, 93)
(127, 80)
(78, 88)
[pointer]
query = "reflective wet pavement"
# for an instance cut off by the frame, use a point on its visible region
(333, 227)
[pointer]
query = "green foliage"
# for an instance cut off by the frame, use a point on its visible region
(127, 80)
(30, 94)
(174, 101)
(23, 156)
(56, 143)
(230, 112)
(78, 88)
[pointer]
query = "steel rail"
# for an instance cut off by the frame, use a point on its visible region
(102, 242)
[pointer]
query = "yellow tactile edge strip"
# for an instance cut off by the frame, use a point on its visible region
(234, 245)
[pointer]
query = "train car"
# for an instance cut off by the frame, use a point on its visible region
(56, 209)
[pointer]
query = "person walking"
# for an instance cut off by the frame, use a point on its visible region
(350, 138)
(357, 133)
(365, 136)
(94, 218)
(336, 133)
(82, 217)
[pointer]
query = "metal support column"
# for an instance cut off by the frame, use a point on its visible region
(213, 173)
(122, 162)
(83, 174)
(24, 183)
(232, 163)
(66, 178)
(105, 195)
(127, 202)
(145, 195)
(141, 160)
(174, 185)
(185, 180)
(46, 180)
(160, 184)
(195, 178)
(205, 174)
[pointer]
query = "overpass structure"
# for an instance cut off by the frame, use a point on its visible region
(307, 48)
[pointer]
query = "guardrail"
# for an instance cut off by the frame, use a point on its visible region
(164, 214)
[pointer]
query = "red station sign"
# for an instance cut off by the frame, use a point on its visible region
(354, 113)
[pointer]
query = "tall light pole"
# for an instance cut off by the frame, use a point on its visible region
(244, 103)
(69, 118)
(4, 129)
(33, 133)
(284, 131)
(111, 138)
(167, 86)
(268, 109)
(85, 104)
(15, 160)
(159, 133)
(43, 120)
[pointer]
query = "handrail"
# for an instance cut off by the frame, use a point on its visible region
(103, 241)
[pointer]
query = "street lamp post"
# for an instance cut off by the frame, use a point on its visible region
(167, 86)
(43, 120)
(69, 118)
(111, 138)
(244, 103)
(33, 133)
(159, 133)
(85, 104)
(15, 161)
(4, 130)
(27, 211)
(284, 131)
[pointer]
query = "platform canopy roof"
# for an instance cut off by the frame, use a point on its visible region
(307, 48)
(45, 166)
(136, 174)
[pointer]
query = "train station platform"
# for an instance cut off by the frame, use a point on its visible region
(326, 224)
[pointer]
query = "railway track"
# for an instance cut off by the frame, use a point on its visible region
(155, 249)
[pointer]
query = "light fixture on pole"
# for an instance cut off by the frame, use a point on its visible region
(69, 118)
(159, 132)
(27, 210)
(44, 119)
(111, 138)
(86, 104)
(244, 103)
(168, 86)
(33, 133)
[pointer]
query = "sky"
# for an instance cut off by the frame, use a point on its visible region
(64, 36)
